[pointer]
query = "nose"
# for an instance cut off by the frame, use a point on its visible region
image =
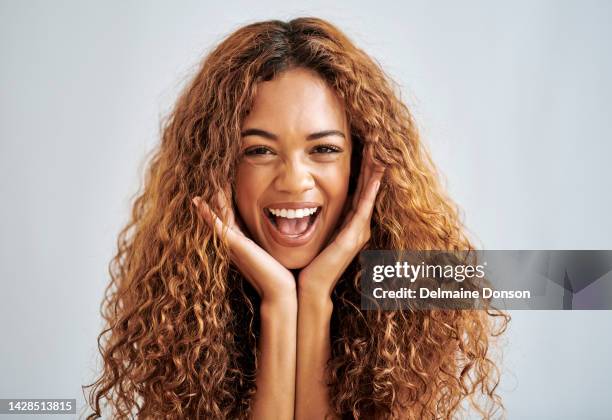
(294, 177)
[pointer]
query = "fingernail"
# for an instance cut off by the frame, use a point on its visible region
(196, 201)
(377, 185)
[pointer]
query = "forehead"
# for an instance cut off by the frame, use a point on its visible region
(297, 100)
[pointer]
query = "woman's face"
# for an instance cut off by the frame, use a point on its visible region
(294, 169)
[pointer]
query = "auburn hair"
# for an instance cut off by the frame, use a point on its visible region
(181, 323)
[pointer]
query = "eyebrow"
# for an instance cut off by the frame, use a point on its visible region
(271, 136)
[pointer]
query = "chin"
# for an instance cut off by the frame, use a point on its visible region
(294, 260)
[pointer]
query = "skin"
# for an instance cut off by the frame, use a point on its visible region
(291, 168)
(295, 313)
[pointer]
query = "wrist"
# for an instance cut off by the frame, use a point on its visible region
(315, 299)
(280, 292)
(278, 314)
(309, 288)
(280, 300)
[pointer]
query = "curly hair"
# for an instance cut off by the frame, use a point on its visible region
(181, 323)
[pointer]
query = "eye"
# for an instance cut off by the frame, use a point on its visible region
(327, 148)
(257, 150)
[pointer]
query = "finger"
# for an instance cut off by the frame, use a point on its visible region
(373, 170)
(240, 226)
(366, 206)
(366, 175)
(209, 216)
(375, 166)
(359, 218)
(225, 208)
(205, 211)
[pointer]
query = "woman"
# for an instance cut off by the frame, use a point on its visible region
(235, 289)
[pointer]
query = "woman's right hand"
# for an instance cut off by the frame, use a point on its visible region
(272, 281)
(276, 348)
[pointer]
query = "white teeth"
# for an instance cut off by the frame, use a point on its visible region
(293, 213)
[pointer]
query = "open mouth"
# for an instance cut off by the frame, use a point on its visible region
(293, 222)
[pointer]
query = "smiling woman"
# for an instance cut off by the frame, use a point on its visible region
(235, 291)
(292, 181)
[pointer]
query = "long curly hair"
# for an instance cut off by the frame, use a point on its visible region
(181, 323)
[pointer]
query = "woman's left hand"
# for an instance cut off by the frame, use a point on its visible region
(319, 278)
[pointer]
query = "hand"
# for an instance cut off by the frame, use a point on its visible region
(272, 281)
(319, 278)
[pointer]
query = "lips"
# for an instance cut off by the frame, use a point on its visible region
(295, 227)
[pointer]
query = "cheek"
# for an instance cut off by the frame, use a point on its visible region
(335, 183)
(248, 185)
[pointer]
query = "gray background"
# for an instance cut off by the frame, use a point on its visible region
(511, 98)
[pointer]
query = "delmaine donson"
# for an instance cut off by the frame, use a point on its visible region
(425, 293)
